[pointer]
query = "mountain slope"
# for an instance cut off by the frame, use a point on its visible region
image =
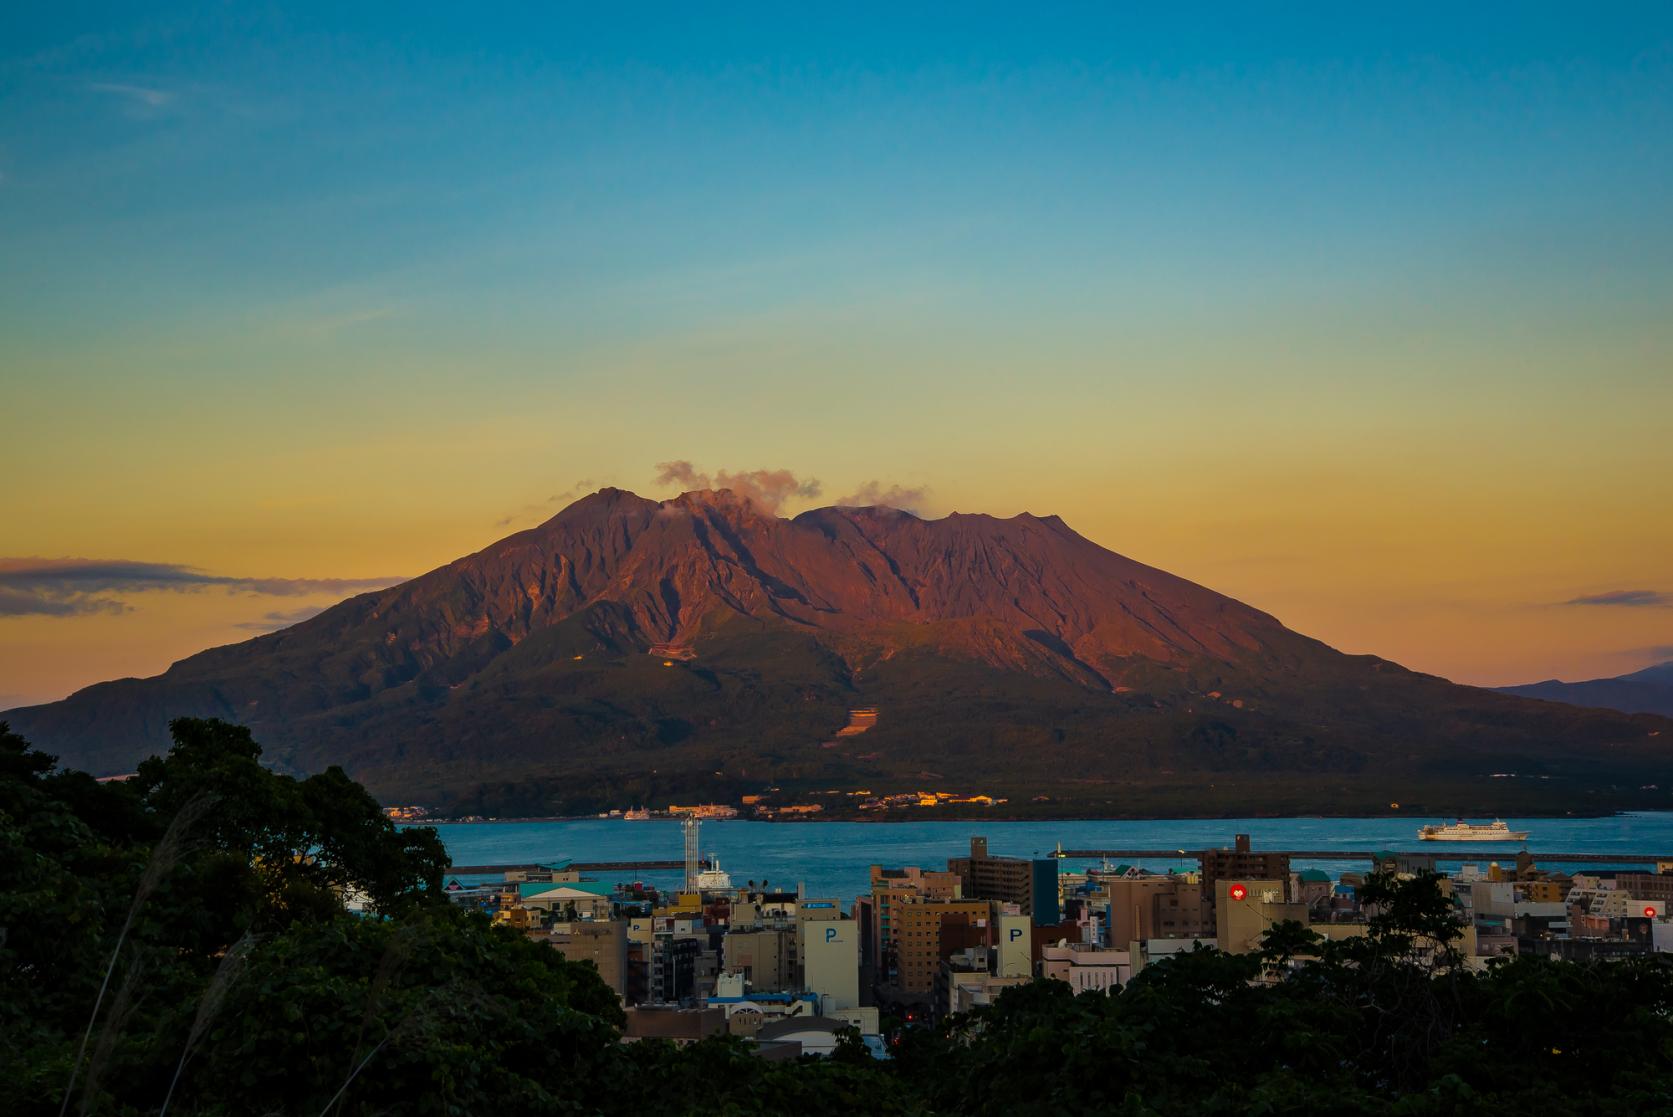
(632, 649)
(1649, 691)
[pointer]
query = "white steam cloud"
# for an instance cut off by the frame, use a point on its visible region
(876, 494)
(767, 489)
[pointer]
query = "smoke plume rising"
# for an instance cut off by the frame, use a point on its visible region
(767, 489)
(875, 494)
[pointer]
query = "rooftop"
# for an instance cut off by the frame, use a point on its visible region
(530, 889)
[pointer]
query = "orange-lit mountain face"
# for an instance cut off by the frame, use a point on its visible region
(1024, 593)
(629, 648)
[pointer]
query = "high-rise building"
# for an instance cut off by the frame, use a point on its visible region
(1238, 863)
(764, 956)
(1647, 886)
(880, 918)
(830, 961)
(919, 938)
(673, 968)
(1030, 884)
(603, 943)
(1155, 907)
(1013, 944)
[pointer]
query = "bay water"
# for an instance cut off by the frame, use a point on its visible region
(832, 859)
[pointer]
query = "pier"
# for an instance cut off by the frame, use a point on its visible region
(578, 866)
(1432, 856)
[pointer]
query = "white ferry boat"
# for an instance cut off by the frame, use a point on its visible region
(1461, 831)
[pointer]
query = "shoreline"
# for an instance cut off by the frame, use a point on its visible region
(803, 821)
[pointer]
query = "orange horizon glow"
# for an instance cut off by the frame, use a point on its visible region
(1479, 595)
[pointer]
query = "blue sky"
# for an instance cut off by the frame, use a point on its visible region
(182, 162)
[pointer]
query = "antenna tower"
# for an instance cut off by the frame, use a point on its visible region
(692, 858)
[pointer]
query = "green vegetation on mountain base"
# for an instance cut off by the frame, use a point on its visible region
(738, 720)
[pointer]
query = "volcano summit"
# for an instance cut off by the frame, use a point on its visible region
(634, 650)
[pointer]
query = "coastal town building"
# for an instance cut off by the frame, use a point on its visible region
(681, 1026)
(1086, 967)
(879, 913)
(746, 1010)
(1013, 943)
(966, 980)
(603, 943)
(1031, 884)
(1153, 907)
(672, 969)
(790, 971)
(765, 957)
(829, 951)
(920, 937)
(1241, 862)
(566, 901)
(967, 990)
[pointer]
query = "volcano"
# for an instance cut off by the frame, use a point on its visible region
(630, 650)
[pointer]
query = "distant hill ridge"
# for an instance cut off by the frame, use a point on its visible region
(1649, 691)
(630, 649)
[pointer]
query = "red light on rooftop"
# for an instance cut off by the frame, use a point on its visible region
(1237, 892)
(1650, 910)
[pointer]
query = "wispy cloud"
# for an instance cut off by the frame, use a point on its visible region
(139, 94)
(326, 316)
(138, 102)
(551, 504)
(1631, 598)
(330, 325)
(68, 587)
(282, 618)
(23, 603)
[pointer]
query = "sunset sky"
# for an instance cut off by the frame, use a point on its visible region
(1364, 319)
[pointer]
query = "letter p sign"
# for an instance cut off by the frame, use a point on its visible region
(1016, 933)
(830, 934)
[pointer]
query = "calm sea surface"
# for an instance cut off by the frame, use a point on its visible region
(833, 858)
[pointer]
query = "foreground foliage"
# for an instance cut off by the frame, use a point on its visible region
(177, 943)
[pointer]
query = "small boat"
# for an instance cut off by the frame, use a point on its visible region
(1461, 831)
